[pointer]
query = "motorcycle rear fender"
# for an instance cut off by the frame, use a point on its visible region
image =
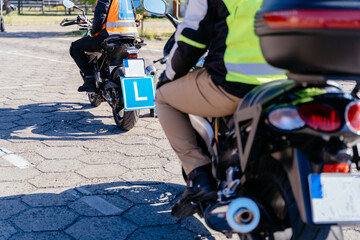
(297, 166)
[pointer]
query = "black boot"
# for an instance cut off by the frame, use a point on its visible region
(89, 84)
(201, 186)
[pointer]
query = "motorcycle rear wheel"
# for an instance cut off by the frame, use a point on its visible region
(272, 188)
(125, 120)
(95, 99)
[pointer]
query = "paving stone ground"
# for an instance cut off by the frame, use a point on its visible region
(66, 171)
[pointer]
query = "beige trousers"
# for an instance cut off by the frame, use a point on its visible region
(195, 93)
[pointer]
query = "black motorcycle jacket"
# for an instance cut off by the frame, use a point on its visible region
(226, 29)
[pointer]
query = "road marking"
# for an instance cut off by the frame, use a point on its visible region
(31, 56)
(101, 205)
(151, 48)
(23, 86)
(14, 159)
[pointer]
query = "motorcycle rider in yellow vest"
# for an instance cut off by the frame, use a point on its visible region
(234, 65)
(111, 17)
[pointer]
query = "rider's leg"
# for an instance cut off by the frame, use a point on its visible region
(195, 94)
(77, 52)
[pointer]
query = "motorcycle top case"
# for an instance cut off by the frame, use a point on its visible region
(311, 36)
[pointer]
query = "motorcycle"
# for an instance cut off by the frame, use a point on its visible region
(283, 160)
(120, 74)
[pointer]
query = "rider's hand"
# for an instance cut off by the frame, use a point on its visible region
(162, 80)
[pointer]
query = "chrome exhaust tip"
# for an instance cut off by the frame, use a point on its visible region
(243, 215)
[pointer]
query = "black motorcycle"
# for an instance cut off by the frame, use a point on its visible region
(109, 69)
(283, 160)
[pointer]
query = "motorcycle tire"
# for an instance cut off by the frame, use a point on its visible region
(125, 120)
(273, 190)
(95, 99)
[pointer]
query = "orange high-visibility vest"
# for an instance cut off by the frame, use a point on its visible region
(121, 19)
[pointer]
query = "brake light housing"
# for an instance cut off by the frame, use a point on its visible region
(320, 117)
(317, 18)
(352, 116)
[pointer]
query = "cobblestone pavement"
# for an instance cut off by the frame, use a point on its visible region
(66, 171)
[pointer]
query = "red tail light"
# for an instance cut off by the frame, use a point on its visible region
(346, 19)
(320, 117)
(353, 116)
(336, 168)
(132, 55)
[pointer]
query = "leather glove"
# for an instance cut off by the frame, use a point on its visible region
(162, 80)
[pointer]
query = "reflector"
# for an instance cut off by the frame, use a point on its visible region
(336, 168)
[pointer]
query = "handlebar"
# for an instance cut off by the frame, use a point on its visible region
(84, 22)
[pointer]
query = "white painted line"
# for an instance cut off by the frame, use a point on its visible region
(33, 85)
(101, 205)
(16, 160)
(83, 191)
(151, 49)
(10, 87)
(4, 150)
(31, 56)
(23, 86)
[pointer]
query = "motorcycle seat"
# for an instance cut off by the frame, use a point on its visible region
(264, 91)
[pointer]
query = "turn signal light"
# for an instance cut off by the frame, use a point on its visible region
(286, 118)
(344, 19)
(352, 115)
(320, 117)
(336, 168)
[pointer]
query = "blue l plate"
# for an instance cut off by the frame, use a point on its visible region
(139, 93)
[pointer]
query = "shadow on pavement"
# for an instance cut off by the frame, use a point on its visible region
(54, 121)
(116, 210)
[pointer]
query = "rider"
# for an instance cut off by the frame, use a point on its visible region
(111, 17)
(234, 65)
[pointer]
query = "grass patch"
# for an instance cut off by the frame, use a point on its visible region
(34, 19)
(152, 28)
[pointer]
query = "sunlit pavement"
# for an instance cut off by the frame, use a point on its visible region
(66, 171)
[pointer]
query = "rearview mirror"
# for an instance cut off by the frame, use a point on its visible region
(68, 3)
(137, 3)
(157, 7)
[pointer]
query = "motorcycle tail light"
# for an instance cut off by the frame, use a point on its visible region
(320, 117)
(338, 19)
(352, 116)
(336, 168)
(132, 56)
(286, 118)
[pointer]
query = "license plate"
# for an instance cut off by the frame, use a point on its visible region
(134, 67)
(138, 93)
(335, 198)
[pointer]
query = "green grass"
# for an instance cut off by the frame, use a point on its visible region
(153, 27)
(34, 19)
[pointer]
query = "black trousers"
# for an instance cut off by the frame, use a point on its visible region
(82, 45)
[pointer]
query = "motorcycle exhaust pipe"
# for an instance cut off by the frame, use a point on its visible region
(243, 215)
